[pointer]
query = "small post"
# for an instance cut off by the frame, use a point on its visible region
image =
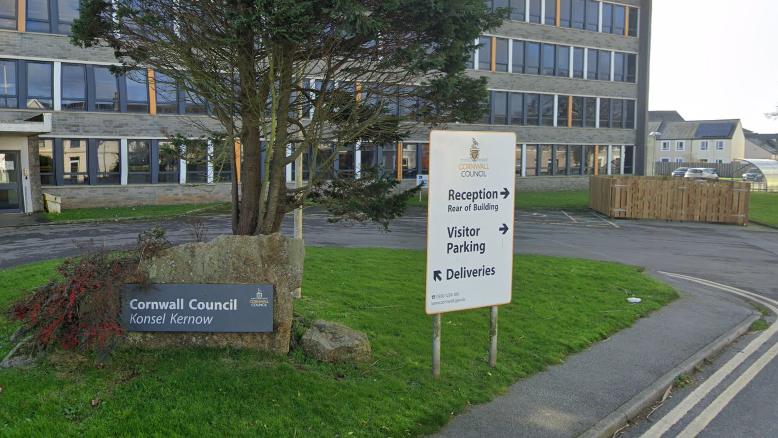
(298, 212)
(493, 337)
(436, 345)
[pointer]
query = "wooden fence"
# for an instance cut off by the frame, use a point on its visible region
(676, 199)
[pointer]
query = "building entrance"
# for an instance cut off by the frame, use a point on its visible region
(10, 182)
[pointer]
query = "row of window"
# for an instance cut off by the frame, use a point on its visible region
(553, 160)
(83, 87)
(680, 145)
(589, 15)
(531, 109)
(46, 16)
(526, 57)
(681, 160)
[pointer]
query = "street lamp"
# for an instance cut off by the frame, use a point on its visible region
(654, 134)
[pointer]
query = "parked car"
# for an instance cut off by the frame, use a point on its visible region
(701, 173)
(753, 175)
(680, 172)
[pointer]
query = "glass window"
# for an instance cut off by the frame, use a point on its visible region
(619, 20)
(719, 145)
(704, 145)
(578, 112)
(109, 165)
(547, 109)
(563, 61)
(604, 69)
(532, 160)
(486, 119)
(46, 162)
(549, 60)
(605, 113)
(518, 57)
(168, 164)
(534, 11)
(501, 63)
(499, 107)
(592, 15)
(575, 160)
(579, 14)
(578, 62)
(607, 18)
(8, 92)
(545, 160)
(8, 14)
(532, 102)
(39, 85)
(193, 104)
(602, 160)
(485, 54)
(617, 113)
(425, 158)
(106, 90)
(408, 160)
(632, 68)
(550, 18)
(75, 157)
(561, 113)
(38, 16)
(589, 160)
(73, 87)
(409, 103)
(629, 118)
(518, 159)
(197, 168)
(137, 91)
(389, 160)
(619, 67)
(68, 12)
(679, 146)
(665, 145)
(517, 108)
(590, 112)
(633, 22)
(519, 10)
(629, 159)
(591, 63)
(167, 94)
(560, 160)
(532, 59)
(139, 162)
(565, 13)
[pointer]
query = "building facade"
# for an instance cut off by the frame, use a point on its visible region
(569, 77)
(701, 141)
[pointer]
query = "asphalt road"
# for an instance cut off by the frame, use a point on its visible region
(743, 257)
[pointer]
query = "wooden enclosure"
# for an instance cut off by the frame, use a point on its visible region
(676, 199)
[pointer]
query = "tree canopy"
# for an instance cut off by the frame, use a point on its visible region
(284, 77)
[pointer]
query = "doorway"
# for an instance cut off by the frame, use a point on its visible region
(10, 182)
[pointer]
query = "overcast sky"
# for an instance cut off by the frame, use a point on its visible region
(716, 59)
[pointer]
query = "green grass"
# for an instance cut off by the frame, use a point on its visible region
(764, 208)
(560, 306)
(125, 212)
(568, 200)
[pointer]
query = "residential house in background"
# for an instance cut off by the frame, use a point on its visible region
(764, 146)
(697, 141)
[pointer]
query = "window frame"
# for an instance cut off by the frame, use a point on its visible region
(49, 100)
(147, 177)
(65, 102)
(704, 145)
(4, 97)
(10, 21)
(98, 101)
(680, 145)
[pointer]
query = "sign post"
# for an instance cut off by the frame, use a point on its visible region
(470, 226)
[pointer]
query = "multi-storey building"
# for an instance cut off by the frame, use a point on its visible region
(569, 77)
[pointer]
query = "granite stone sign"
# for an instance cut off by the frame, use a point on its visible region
(223, 308)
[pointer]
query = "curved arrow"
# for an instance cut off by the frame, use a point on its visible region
(504, 228)
(437, 276)
(505, 193)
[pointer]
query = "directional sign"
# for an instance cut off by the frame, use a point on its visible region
(470, 220)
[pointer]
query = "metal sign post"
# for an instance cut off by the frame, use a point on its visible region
(470, 226)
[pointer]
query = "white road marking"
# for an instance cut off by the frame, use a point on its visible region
(683, 408)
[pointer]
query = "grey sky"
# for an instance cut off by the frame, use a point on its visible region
(716, 59)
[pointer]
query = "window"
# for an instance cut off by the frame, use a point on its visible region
(679, 146)
(46, 162)
(197, 168)
(563, 61)
(619, 20)
(619, 73)
(679, 159)
(109, 166)
(632, 68)
(532, 111)
(590, 114)
(579, 14)
(591, 63)
(544, 159)
(75, 156)
(607, 18)
(8, 14)
(565, 13)
(137, 91)
(532, 59)
(664, 160)
(592, 15)
(517, 109)
(139, 162)
(633, 22)
(8, 92)
(167, 94)
(534, 11)
(578, 112)
(719, 161)
(605, 113)
(485, 54)
(73, 87)
(604, 69)
(501, 63)
(547, 109)
(193, 104)
(168, 163)
(549, 60)
(68, 12)
(499, 107)
(38, 18)
(518, 57)
(617, 113)
(519, 12)
(703, 145)
(719, 145)
(106, 90)
(550, 18)
(39, 85)
(561, 113)
(665, 145)
(578, 62)
(629, 114)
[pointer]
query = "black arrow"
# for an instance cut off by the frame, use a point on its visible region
(505, 193)
(504, 228)
(437, 276)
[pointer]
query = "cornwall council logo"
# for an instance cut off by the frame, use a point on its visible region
(474, 151)
(259, 301)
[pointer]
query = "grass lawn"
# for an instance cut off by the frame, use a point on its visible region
(567, 200)
(560, 306)
(764, 208)
(125, 212)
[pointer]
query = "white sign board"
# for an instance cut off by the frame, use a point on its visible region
(470, 220)
(423, 180)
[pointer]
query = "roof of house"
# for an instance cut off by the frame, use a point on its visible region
(694, 130)
(768, 142)
(665, 116)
